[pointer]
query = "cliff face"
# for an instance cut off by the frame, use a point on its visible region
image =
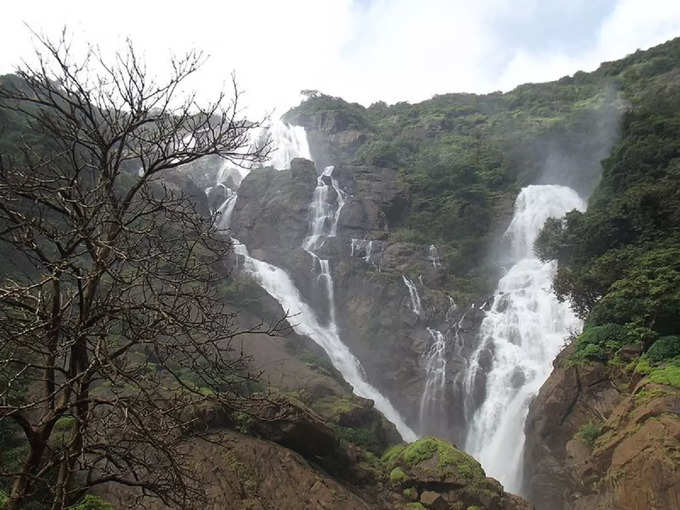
(600, 436)
(368, 264)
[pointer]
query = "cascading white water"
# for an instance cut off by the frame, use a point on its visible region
(433, 256)
(526, 327)
(279, 285)
(370, 250)
(323, 223)
(275, 281)
(413, 295)
(226, 209)
(288, 142)
(435, 375)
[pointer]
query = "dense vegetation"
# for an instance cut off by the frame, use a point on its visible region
(619, 262)
(465, 157)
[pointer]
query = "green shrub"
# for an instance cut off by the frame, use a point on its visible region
(589, 432)
(600, 342)
(243, 421)
(363, 437)
(668, 374)
(643, 367)
(410, 493)
(664, 348)
(397, 475)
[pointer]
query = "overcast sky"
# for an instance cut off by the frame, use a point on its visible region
(362, 50)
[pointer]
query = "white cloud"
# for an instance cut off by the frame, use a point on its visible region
(363, 50)
(632, 25)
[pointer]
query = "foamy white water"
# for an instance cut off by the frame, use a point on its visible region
(435, 376)
(288, 142)
(526, 326)
(278, 284)
(324, 216)
(413, 295)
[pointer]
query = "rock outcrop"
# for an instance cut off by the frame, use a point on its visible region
(600, 436)
(284, 456)
(368, 263)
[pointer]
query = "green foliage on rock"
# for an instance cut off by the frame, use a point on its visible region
(449, 458)
(360, 436)
(397, 475)
(600, 342)
(668, 374)
(666, 347)
(464, 157)
(589, 432)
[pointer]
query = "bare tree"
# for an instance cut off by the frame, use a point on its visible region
(111, 327)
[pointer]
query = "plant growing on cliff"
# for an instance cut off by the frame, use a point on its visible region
(112, 293)
(589, 432)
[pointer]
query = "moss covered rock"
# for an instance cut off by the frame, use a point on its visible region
(431, 460)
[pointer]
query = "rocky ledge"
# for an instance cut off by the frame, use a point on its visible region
(605, 436)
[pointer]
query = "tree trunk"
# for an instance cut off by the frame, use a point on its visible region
(23, 482)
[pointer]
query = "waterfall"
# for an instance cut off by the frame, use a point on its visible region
(226, 209)
(413, 295)
(435, 376)
(525, 328)
(275, 281)
(433, 256)
(369, 250)
(288, 142)
(279, 285)
(323, 221)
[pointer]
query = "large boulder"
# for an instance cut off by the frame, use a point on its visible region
(445, 477)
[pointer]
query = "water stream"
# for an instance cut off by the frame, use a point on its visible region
(525, 329)
(324, 216)
(432, 399)
(416, 306)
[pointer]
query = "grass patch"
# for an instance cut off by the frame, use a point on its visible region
(668, 375)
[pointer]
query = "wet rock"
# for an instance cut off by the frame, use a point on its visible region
(517, 378)
(629, 352)
(271, 212)
(433, 500)
(295, 427)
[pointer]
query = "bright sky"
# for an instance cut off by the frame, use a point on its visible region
(361, 50)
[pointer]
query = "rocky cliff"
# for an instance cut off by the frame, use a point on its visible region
(284, 456)
(603, 436)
